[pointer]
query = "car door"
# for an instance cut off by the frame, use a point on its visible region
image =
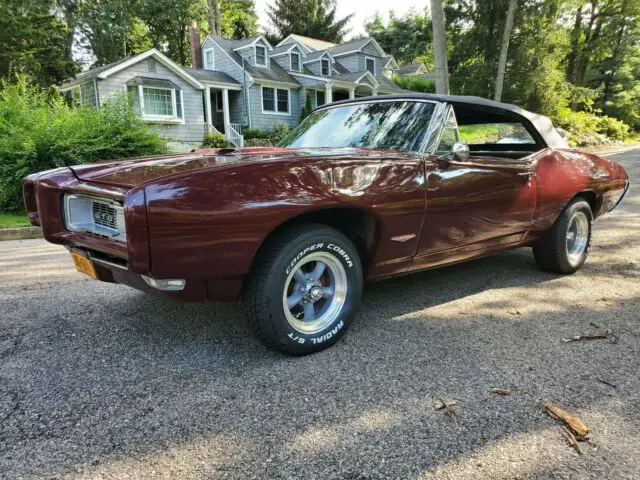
(473, 203)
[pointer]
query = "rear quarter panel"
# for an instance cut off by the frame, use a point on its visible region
(562, 174)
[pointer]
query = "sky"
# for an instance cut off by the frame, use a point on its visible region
(363, 10)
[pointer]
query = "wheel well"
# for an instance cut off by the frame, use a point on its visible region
(360, 226)
(593, 199)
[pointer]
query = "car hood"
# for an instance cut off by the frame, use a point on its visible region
(131, 173)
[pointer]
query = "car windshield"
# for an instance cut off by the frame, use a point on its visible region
(394, 125)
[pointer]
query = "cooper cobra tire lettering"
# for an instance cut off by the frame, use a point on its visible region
(342, 253)
(297, 258)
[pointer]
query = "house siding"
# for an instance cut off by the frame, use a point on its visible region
(223, 63)
(192, 131)
(266, 121)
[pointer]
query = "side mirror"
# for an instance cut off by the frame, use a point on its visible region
(460, 151)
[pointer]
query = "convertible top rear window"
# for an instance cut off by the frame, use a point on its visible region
(397, 125)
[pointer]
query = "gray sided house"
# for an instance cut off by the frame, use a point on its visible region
(236, 84)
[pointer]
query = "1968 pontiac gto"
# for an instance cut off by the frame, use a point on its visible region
(362, 189)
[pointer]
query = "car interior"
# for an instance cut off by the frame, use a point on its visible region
(492, 133)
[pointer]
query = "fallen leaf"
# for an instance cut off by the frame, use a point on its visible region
(502, 391)
(577, 426)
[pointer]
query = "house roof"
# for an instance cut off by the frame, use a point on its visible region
(355, 77)
(412, 68)
(354, 46)
(210, 76)
(311, 43)
(107, 70)
(314, 56)
(388, 85)
(89, 74)
(274, 73)
(286, 48)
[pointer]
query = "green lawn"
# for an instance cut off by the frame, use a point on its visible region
(13, 220)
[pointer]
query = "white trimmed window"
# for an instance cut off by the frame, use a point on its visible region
(295, 61)
(209, 60)
(275, 101)
(160, 104)
(370, 65)
(326, 67)
(261, 55)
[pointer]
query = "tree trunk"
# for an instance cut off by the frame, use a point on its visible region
(440, 47)
(504, 48)
(214, 17)
(575, 42)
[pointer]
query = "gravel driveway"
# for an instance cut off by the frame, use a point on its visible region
(101, 381)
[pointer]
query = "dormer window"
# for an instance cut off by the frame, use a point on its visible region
(261, 55)
(370, 65)
(326, 67)
(295, 61)
(208, 60)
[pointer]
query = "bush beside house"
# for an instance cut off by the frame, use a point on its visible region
(40, 131)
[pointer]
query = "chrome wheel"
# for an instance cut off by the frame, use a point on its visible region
(577, 236)
(314, 293)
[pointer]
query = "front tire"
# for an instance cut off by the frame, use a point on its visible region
(565, 248)
(304, 289)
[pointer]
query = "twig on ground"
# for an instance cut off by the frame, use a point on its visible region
(602, 380)
(502, 391)
(449, 406)
(591, 336)
(571, 439)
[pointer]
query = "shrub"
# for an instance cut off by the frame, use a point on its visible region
(39, 131)
(216, 140)
(278, 132)
(416, 84)
(613, 128)
(307, 108)
(250, 133)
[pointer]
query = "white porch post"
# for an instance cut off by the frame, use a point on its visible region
(225, 110)
(374, 92)
(352, 92)
(207, 104)
(328, 93)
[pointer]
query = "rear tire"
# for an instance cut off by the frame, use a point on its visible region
(304, 289)
(565, 247)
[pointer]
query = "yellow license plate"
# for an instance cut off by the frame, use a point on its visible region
(83, 264)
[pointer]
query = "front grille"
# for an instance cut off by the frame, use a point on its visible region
(104, 215)
(99, 216)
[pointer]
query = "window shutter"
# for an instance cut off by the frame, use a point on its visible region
(178, 103)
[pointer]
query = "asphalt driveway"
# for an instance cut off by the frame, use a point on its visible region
(101, 381)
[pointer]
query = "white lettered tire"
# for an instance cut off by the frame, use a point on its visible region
(304, 289)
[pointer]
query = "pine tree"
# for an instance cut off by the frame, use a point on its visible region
(311, 18)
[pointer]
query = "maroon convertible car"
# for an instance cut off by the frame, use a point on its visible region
(362, 189)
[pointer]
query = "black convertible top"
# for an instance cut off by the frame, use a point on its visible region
(479, 107)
